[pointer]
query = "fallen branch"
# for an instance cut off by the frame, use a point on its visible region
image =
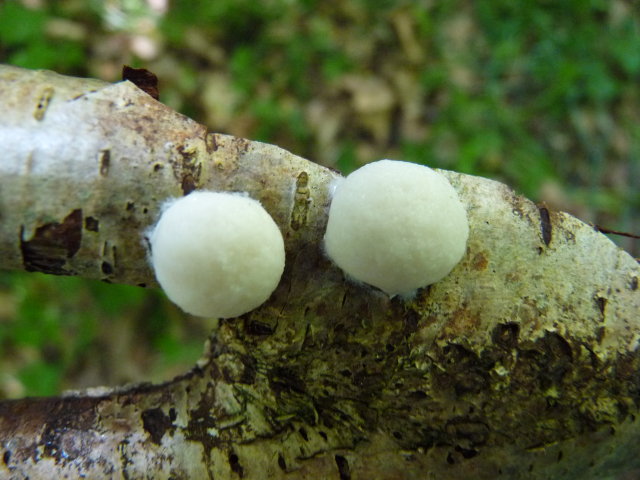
(522, 363)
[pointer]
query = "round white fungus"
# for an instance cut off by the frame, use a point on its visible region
(397, 226)
(217, 254)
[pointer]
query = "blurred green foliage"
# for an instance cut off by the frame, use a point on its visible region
(24, 45)
(542, 95)
(63, 332)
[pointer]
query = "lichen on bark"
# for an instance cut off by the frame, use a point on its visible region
(523, 363)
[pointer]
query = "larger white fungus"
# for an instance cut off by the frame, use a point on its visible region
(217, 254)
(397, 226)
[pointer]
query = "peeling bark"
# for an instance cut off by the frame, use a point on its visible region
(523, 363)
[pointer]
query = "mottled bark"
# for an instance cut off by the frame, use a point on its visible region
(523, 363)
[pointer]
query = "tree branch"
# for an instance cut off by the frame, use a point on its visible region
(86, 166)
(522, 363)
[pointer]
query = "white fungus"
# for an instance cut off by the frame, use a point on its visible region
(217, 254)
(397, 226)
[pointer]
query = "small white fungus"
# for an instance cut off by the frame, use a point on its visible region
(217, 254)
(397, 226)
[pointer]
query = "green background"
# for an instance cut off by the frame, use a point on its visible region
(542, 95)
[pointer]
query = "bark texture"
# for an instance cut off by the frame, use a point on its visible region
(523, 363)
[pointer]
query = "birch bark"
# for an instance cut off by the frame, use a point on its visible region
(523, 363)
